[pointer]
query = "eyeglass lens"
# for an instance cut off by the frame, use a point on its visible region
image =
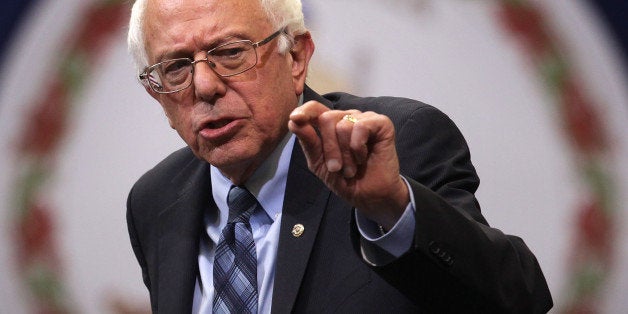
(226, 60)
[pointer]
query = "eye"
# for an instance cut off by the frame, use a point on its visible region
(175, 66)
(229, 51)
(173, 73)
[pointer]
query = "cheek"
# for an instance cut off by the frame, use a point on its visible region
(277, 99)
(180, 120)
(273, 111)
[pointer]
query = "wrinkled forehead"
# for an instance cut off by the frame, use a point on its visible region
(171, 12)
(179, 22)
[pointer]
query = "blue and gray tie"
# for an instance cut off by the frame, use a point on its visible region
(235, 264)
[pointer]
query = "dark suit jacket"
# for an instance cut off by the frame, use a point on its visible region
(457, 262)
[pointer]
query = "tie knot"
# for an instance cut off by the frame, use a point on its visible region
(241, 204)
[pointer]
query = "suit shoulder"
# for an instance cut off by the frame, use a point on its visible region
(159, 187)
(163, 181)
(168, 168)
(348, 101)
(398, 109)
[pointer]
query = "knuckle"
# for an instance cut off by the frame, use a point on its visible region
(328, 116)
(344, 127)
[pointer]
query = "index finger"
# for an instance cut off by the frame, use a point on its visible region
(318, 141)
(308, 113)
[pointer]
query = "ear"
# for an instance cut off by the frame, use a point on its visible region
(301, 53)
(157, 97)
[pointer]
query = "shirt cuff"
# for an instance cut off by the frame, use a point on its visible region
(378, 249)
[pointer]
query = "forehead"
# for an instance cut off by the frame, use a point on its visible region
(174, 24)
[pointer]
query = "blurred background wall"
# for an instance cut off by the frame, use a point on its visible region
(537, 87)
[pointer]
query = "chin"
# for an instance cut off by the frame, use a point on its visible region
(227, 156)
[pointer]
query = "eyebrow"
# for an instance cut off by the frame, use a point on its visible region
(185, 53)
(176, 54)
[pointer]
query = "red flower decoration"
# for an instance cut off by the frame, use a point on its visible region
(526, 21)
(46, 122)
(581, 119)
(100, 23)
(595, 229)
(35, 231)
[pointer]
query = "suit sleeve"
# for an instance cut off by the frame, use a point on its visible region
(138, 249)
(457, 263)
(135, 243)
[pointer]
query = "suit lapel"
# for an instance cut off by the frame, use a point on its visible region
(180, 225)
(304, 203)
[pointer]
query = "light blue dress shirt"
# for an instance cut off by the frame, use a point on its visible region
(268, 185)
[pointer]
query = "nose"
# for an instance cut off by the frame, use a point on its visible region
(208, 85)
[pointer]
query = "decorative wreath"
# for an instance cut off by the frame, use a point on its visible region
(40, 264)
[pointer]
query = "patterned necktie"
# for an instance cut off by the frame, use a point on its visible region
(235, 264)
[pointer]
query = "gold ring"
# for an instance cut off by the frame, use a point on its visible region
(350, 118)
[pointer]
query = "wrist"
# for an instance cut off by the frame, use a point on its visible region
(389, 210)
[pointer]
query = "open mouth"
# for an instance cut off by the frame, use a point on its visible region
(220, 129)
(217, 124)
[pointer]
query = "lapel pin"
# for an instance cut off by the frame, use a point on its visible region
(297, 230)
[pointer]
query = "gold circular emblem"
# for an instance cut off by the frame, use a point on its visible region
(297, 230)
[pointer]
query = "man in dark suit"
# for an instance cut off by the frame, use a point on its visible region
(371, 211)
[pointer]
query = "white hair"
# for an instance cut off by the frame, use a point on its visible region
(286, 14)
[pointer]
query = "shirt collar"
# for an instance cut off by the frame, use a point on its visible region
(268, 182)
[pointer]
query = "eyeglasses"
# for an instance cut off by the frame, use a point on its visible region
(226, 60)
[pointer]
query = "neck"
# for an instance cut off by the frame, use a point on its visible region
(259, 170)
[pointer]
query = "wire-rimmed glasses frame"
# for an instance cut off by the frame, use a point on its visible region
(229, 59)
